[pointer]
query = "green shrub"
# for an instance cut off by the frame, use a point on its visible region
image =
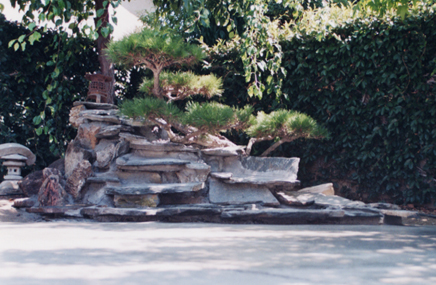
(370, 81)
(28, 114)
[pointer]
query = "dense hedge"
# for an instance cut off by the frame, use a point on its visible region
(25, 111)
(372, 91)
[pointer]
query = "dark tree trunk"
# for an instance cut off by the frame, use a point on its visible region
(106, 67)
(157, 92)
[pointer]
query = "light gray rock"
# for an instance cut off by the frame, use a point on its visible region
(221, 175)
(221, 193)
(93, 105)
(105, 152)
(326, 201)
(326, 189)
(75, 119)
(294, 199)
(77, 179)
(109, 131)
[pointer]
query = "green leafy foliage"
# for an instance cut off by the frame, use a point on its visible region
(34, 109)
(370, 81)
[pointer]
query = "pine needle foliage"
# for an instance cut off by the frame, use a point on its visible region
(153, 46)
(179, 85)
(150, 108)
(210, 117)
(285, 124)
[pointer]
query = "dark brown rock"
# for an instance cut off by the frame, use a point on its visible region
(51, 192)
(31, 183)
(77, 179)
(87, 134)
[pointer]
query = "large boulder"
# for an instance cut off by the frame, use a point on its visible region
(77, 179)
(74, 155)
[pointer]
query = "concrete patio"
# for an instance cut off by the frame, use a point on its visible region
(73, 252)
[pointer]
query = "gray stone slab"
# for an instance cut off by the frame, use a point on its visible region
(161, 146)
(272, 164)
(221, 193)
(260, 178)
(291, 215)
(131, 162)
(101, 118)
(152, 213)
(99, 112)
(103, 179)
(109, 131)
(136, 201)
(93, 105)
(153, 188)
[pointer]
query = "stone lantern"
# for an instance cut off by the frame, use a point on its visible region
(14, 162)
(99, 87)
(14, 157)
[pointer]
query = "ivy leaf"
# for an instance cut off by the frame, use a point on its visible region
(21, 38)
(34, 37)
(11, 43)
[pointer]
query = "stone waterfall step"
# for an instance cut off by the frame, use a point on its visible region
(141, 143)
(256, 178)
(234, 214)
(139, 163)
(153, 188)
(152, 194)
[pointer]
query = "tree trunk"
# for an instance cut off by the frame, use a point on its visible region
(156, 86)
(274, 146)
(106, 67)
